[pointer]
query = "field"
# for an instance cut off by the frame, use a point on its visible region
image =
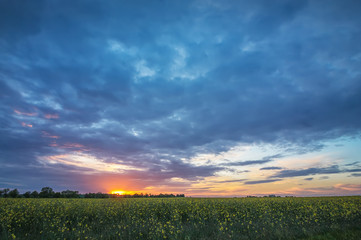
(181, 218)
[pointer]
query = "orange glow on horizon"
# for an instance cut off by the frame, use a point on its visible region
(118, 192)
(122, 192)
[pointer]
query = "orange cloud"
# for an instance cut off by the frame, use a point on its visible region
(53, 144)
(25, 113)
(349, 187)
(51, 116)
(26, 125)
(75, 147)
(47, 135)
(72, 145)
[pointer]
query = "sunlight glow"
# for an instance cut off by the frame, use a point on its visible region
(118, 192)
(122, 192)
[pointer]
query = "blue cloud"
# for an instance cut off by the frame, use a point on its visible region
(262, 181)
(286, 173)
(144, 81)
(270, 168)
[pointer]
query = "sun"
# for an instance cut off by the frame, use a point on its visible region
(118, 192)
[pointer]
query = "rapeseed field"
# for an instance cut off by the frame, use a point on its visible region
(181, 218)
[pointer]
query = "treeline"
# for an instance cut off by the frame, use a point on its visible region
(47, 192)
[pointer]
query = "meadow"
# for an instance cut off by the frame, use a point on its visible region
(182, 218)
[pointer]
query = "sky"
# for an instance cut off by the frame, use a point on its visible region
(206, 98)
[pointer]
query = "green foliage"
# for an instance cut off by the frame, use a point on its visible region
(34, 194)
(181, 218)
(4, 193)
(46, 192)
(14, 193)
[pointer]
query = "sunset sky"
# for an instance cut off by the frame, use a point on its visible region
(206, 97)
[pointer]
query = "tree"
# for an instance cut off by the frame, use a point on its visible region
(70, 194)
(14, 193)
(27, 194)
(34, 194)
(46, 192)
(5, 192)
(57, 195)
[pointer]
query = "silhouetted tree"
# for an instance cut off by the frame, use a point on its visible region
(97, 195)
(70, 194)
(27, 194)
(5, 192)
(34, 194)
(57, 195)
(14, 193)
(46, 192)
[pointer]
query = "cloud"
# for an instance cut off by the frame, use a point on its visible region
(337, 189)
(270, 168)
(349, 187)
(51, 116)
(355, 175)
(324, 177)
(353, 170)
(305, 172)
(352, 164)
(253, 162)
(18, 19)
(312, 171)
(30, 114)
(26, 125)
(308, 179)
(231, 181)
(245, 163)
(112, 77)
(262, 181)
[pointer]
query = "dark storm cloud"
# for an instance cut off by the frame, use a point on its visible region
(150, 84)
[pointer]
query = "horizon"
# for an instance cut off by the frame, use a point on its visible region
(200, 98)
(124, 193)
